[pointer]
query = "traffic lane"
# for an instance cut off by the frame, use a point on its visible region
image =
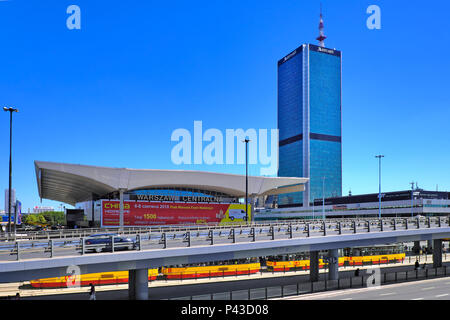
(434, 289)
(290, 280)
(176, 289)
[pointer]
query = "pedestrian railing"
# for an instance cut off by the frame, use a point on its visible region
(74, 243)
(359, 224)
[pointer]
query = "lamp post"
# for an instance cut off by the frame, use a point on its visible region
(412, 199)
(323, 198)
(10, 110)
(379, 191)
(246, 176)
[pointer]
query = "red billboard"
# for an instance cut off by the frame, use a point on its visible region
(140, 213)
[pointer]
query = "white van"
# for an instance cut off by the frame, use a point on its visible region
(237, 214)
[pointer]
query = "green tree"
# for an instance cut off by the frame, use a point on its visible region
(30, 219)
(41, 219)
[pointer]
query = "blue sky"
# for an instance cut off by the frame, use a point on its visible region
(112, 93)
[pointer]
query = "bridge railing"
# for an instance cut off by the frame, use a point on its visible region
(162, 238)
(77, 233)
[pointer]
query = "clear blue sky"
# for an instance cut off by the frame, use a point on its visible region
(112, 93)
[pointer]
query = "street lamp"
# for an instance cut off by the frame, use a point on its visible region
(412, 199)
(246, 176)
(379, 192)
(10, 110)
(323, 198)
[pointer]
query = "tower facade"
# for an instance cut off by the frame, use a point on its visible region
(309, 122)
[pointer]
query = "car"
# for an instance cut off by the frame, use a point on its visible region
(102, 242)
(237, 214)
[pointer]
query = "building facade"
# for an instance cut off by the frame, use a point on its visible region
(408, 203)
(120, 197)
(309, 122)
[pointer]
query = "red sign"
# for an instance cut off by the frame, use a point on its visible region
(168, 213)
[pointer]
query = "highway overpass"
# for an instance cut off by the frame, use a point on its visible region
(281, 239)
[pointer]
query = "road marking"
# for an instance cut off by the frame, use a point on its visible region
(429, 288)
(442, 295)
(418, 299)
(347, 299)
(387, 294)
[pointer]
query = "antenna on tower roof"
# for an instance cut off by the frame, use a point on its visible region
(322, 36)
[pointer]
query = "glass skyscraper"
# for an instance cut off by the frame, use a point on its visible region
(309, 122)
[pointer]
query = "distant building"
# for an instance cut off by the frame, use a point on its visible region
(43, 209)
(393, 204)
(13, 199)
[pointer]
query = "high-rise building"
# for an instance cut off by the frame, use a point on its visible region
(13, 200)
(309, 121)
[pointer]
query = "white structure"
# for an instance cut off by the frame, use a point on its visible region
(43, 209)
(72, 184)
(75, 184)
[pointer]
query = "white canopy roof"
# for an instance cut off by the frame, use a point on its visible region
(73, 183)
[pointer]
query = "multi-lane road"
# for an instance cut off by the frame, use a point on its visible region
(255, 286)
(432, 289)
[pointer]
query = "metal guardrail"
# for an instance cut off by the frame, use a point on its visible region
(77, 233)
(162, 238)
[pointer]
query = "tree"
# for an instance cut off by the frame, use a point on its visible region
(30, 219)
(41, 219)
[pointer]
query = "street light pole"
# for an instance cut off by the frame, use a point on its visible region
(379, 191)
(10, 110)
(246, 176)
(412, 199)
(323, 198)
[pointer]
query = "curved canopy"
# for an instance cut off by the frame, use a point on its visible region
(73, 183)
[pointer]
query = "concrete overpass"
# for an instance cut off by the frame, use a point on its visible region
(137, 262)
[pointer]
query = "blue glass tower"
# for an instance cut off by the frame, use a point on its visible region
(309, 122)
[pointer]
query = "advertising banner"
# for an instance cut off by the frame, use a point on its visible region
(139, 213)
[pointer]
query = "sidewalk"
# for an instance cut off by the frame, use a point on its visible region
(10, 289)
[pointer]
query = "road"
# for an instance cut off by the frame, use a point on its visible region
(202, 289)
(432, 289)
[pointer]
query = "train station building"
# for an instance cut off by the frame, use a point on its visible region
(114, 197)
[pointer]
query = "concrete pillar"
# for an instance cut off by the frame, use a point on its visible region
(333, 264)
(437, 253)
(314, 266)
(131, 284)
(138, 284)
